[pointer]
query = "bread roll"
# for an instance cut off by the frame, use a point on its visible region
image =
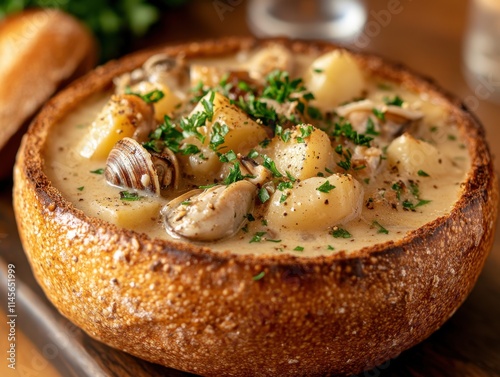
(41, 50)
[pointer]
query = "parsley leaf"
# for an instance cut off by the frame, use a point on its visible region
(263, 195)
(257, 237)
(338, 232)
(370, 128)
(325, 187)
(259, 276)
(381, 229)
(151, 97)
(271, 165)
(396, 101)
(129, 196)
(219, 131)
(345, 129)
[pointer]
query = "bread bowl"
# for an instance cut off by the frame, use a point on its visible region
(197, 308)
(42, 50)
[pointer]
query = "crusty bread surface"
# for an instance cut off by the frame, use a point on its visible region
(41, 50)
(190, 308)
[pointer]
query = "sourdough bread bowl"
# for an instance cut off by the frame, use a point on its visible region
(209, 311)
(42, 50)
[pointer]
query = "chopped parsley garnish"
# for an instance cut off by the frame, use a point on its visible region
(305, 131)
(253, 154)
(290, 176)
(259, 276)
(283, 198)
(188, 149)
(298, 248)
(314, 113)
(209, 106)
(379, 114)
(257, 109)
(396, 101)
(452, 137)
(345, 129)
(249, 217)
(370, 128)
(284, 134)
(280, 88)
(411, 206)
(151, 97)
(422, 173)
(228, 157)
(346, 164)
(80, 188)
(165, 135)
(282, 186)
(264, 143)
(97, 171)
(318, 70)
(257, 237)
(381, 229)
(271, 165)
(234, 174)
(263, 195)
(325, 187)
(263, 222)
(219, 131)
(398, 187)
(414, 189)
(186, 202)
(330, 247)
(338, 232)
(129, 196)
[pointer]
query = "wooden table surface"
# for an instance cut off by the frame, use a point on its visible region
(425, 35)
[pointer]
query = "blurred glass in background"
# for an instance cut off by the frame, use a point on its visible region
(482, 49)
(337, 20)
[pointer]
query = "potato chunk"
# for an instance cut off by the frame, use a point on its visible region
(242, 132)
(410, 156)
(206, 75)
(313, 204)
(334, 78)
(233, 128)
(307, 152)
(128, 214)
(123, 116)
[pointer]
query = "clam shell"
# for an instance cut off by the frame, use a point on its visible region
(130, 165)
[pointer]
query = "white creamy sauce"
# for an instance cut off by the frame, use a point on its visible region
(89, 192)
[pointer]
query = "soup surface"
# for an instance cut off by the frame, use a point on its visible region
(260, 153)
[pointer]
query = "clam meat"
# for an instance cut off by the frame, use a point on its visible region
(210, 214)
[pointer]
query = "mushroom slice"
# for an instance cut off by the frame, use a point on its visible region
(131, 166)
(269, 58)
(159, 68)
(211, 214)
